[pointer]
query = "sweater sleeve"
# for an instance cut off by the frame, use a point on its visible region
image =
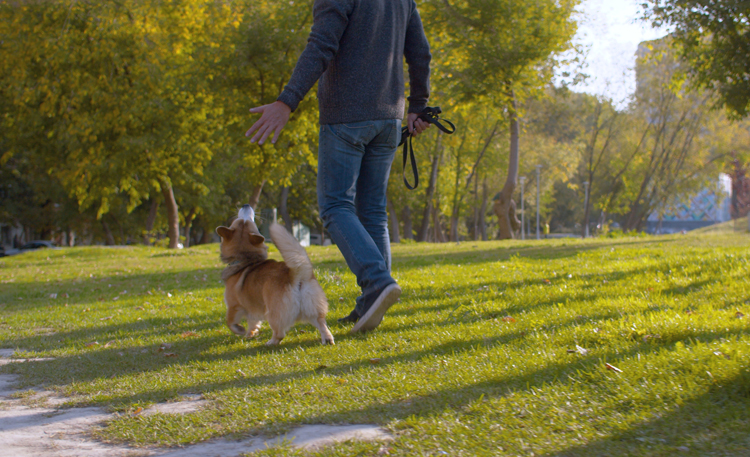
(417, 53)
(330, 18)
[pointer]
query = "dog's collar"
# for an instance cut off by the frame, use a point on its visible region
(237, 266)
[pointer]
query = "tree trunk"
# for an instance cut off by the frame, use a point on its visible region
(395, 235)
(173, 218)
(206, 236)
(284, 210)
(109, 239)
(255, 195)
(586, 215)
(151, 220)
(483, 210)
(188, 225)
(504, 207)
(408, 229)
(424, 229)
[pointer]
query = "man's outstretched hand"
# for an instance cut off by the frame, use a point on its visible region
(416, 125)
(273, 118)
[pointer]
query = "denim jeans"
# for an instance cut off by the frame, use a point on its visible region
(354, 162)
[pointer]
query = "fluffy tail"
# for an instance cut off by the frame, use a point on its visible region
(293, 253)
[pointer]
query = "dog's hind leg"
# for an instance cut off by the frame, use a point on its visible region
(325, 334)
(235, 314)
(252, 328)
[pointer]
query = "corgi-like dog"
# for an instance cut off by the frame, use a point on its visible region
(258, 289)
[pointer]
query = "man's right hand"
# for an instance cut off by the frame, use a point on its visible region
(273, 118)
(416, 125)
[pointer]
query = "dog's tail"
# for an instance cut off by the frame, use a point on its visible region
(293, 253)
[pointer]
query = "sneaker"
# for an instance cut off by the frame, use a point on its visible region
(353, 317)
(374, 316)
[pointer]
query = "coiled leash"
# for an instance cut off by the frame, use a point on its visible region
(430, 115)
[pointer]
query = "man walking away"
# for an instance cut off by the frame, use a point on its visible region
(356, 49)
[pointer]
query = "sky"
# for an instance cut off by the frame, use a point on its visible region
(610, 31)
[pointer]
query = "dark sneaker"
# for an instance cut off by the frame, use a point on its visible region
(352, 318)
(374, 316)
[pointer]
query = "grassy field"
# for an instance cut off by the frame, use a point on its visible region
(555, 348)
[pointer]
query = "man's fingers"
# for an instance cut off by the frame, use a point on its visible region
(255, 127)
(276, 136)
(268, 131)
(258, 109)
(259, 133)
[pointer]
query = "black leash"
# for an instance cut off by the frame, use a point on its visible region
(430, 115)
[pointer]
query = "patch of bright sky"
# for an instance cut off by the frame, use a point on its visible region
(610, 31)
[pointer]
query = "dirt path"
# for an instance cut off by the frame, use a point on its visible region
(35, 426)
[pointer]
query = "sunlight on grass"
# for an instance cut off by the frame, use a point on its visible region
(561, 347)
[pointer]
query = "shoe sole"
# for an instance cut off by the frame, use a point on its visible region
(374, 316)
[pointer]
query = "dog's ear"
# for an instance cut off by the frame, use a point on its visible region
(225, 233)
(256, 239)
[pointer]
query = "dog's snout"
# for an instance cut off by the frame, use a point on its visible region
(246, 213)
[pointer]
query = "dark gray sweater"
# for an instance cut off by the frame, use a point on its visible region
(357, 48)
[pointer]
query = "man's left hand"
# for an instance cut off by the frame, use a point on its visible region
(273, 118)
(416, 125)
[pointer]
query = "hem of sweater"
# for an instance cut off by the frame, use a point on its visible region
(337, 118)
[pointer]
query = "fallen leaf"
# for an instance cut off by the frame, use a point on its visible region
(170, 354)
(739, 315)
(547, 281)
(449, 295)
(164, 346)
(241, 372)
(105, 318)
(188, 334)
(109, 343)
(66, 296)
(52, 295)
(168, 294)
(93, 343)
(140, 308)
(138, 410)
(509, 319)
(322, 367)
(341, 381)
(581, 350)
(375, 361)
(613, 368)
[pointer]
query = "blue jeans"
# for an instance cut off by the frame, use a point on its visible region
(354, 162)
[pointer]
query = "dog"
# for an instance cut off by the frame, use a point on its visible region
(258, 289)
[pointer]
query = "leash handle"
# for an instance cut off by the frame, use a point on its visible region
(430, 115)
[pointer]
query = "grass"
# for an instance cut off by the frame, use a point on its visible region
(496, 348)
(734, 226)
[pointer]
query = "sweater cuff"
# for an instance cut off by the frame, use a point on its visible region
(417, 107)
(289, 99)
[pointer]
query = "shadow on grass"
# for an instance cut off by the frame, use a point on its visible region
(714, 423)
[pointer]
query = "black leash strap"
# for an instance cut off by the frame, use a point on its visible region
(430, 115)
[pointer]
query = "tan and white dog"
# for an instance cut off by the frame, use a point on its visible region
(258, 289)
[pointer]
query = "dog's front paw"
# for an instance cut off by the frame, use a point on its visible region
(328, 341)
(273, 342)
(252, 334)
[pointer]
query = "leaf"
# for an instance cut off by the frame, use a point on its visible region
(739, 315)
(509, 319)
(106, 318)
(164, 346)
(138, 411)
(581, 350)
(188, 334)
(613, 368)
(321, 367)
(109, 343)
(375, 361)
(93, 343)
(170, 354)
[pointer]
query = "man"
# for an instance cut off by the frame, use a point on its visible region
(356, 49)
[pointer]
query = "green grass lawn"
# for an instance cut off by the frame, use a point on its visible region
(496, 348)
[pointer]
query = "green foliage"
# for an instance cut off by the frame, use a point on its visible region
(714, 41)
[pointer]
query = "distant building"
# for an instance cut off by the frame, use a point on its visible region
(708, 207)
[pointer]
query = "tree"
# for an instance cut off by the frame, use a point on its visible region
(713, 39)
(500, 52)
